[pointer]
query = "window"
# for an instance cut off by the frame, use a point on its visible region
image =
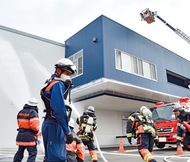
(124, 126)
(77, 59)
(177, 79)
(134, 65)
(118, 60)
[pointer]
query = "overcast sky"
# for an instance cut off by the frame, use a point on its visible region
(60, 19)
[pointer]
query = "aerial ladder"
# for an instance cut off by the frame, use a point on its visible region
(149, 17)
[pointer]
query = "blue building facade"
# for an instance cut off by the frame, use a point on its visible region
(103, 38)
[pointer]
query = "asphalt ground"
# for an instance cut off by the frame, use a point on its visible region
(130, 154)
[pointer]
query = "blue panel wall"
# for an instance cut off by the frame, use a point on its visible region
(92, 51)
(99, 57)
(122, 38)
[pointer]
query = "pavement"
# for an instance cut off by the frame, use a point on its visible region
(109, 155)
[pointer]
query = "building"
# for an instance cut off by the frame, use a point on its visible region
(26, 61)
(120, 71)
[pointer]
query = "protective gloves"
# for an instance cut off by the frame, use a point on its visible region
(69, 138)
(129, 140)
(182, 127)
(156, 141)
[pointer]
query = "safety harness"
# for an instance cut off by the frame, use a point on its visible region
(146, 125)
(87, 126)
(46, 96)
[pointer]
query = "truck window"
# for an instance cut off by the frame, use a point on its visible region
(162, 113)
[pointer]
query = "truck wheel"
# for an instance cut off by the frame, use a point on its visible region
(160, 145)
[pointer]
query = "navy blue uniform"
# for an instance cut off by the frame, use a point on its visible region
(28, 123)
(55, 126)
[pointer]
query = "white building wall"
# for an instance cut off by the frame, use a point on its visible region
(26, 61)
(110, 125)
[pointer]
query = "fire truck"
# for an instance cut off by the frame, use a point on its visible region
(163, 116)
(166, 122)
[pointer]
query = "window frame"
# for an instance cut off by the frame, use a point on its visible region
(137, 67)
(77, 59)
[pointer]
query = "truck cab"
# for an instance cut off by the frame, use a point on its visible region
(166, 122)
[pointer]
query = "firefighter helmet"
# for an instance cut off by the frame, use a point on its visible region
(32, 102)
(177, 107)
(145, 111)
(142, 108)
(71, 123)
(66, 65)
(91, 109)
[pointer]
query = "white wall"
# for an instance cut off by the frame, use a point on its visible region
(25, 64)
(109, 126)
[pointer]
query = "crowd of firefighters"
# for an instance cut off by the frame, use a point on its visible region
(62, 144)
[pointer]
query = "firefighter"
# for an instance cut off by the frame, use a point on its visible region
(183, 116)
(75, 150)
(87, 125)
(141, 126)
(55, 130)
(28, 123)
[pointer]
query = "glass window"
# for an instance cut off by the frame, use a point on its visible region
(140, 65)
(80, 66)
(77, 59)
(153, 71)
(118, 59)
(134, 65)
(146, 69)
(177, 79)
(162, 113)
(126, 63)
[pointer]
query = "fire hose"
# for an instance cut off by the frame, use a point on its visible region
(95, 138)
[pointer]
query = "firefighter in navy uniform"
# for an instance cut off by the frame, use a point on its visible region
(87, 125)
(182, 130)
(28, 123)
(141, 126)
(75, 150)
(55, 129)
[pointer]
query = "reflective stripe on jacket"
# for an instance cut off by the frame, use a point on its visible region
(132, 124)
(137, 124)
(77, 147)
(28, 123)
(82, 122)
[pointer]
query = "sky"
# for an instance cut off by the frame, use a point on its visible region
(58, 20)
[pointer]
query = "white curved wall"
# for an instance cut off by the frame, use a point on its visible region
(26, 61)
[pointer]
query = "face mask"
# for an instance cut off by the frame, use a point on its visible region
(65, 77)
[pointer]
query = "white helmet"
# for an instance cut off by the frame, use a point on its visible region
(91, 109)
(32, 102)
(71, 123)
(177, 107)
(66, 65)
(145, 111)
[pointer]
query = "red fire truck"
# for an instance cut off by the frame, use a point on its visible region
(166, 122)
